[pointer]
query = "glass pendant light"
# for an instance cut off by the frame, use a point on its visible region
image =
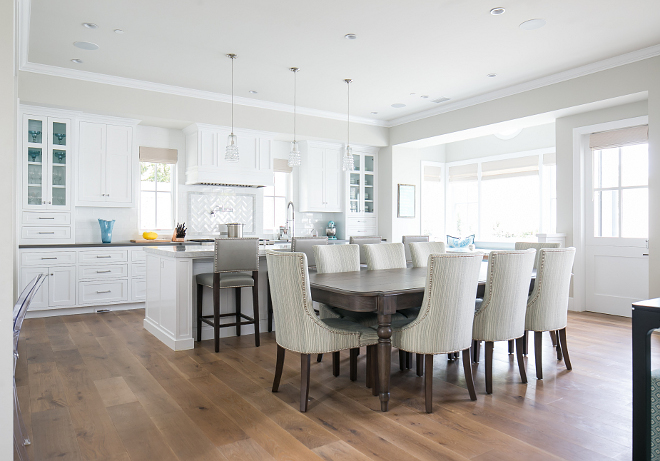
(231, 154)
(294, 155)
(347, 163)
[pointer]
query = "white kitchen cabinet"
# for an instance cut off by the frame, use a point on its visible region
(320, 177)
(361, 194)
(58, 289)
(107, 164)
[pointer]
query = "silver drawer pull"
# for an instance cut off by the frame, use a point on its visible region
(46, 232)
(102, 272)
(50, 258)
(109, 256)
(106, 291)
(41, 217)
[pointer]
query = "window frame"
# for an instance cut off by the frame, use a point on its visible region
(287, 197)
(173, 193)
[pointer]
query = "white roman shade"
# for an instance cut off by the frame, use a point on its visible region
(549, 159)
(158, 155)
(510, 168)
(463, 172)
(281, 165)
(432, 173)
(618, 138)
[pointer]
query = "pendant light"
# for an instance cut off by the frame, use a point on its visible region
(347, 163)
(231, 154)
(294, 155)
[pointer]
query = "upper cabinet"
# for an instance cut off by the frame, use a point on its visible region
(107, 163)
(205, 157)
(362, 183)
(320, 177)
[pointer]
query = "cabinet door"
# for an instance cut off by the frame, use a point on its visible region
(62, 286)
(91, 157)
(332, 179)
(40, 300)
(119, 165)
(59, 160)
(33, 159)
(314, 180)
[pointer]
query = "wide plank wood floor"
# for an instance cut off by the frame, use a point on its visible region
(99, 387)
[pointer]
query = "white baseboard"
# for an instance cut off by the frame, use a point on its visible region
(574, 306)
(82, 310)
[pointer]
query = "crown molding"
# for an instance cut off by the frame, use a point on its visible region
(599, 66)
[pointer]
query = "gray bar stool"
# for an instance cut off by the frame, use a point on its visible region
(235, 265)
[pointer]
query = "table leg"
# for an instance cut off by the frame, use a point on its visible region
(384, 357)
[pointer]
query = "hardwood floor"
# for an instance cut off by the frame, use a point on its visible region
(99, 387)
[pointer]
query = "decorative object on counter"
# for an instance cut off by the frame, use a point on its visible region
(294, 155)
(235, 230)
(458, 242)
(231, 154)
(149, 235)
(106, 230)
(179, 233)
(331, 231)
(348, 162)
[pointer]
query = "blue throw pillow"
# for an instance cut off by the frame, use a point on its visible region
(457, 242)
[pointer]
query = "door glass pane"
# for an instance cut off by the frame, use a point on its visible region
(34, 175)
(635, 165)
(34, 155)
(59, 175)
(368, 207)
(59, 196)
(59, 157)
(34, 195)
(368, 163)
(635, 213)
(606, 168)
(59, 134)
(356, 162)
(34, 131)
(606, 213)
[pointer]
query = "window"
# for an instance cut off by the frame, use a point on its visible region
(432, 203)
(156, 196)
(463, 200)
(275, 201)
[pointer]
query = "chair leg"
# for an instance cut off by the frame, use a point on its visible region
(467, 370)
(475, 351)
(269, 307)
(255, 308)
(428, 383)
(553, 338)
(564, 348)
(279, 366)
(521, 362)
(353, 363)
(335, 363)
(420, 364)
(408, 360)
(538, 354)
(450, 357)
(456, 355)
(511, 346)
(216, 311)
(200, 293)
(319, 357)
(489, 367)
(304, 381)
(558, 346)
(369, 378)
(402, 359)
(525, 344)
(238, 311)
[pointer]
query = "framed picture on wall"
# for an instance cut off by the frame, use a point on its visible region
(405, 205)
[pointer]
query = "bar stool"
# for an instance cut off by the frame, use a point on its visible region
(235, 265)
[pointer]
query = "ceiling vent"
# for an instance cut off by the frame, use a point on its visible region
(439, 100)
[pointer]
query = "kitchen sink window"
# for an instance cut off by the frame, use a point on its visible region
(276, 197)
(157, 183)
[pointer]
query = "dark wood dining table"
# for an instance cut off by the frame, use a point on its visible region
(383, 292)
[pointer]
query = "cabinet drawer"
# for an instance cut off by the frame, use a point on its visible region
(138, 290)
(139, 270)
(103, 271)
(103, 292)
(49, 258)
(138, 256)
(361, 232)
(35, 218)
(103, 256)
(361, 222)
(45, 233)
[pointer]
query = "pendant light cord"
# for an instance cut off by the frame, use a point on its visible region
(295, 90)
(232, 95)
(348, 113)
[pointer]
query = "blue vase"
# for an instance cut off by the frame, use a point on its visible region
(106, 230)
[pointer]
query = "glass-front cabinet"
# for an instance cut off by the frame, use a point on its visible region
(361, 185)
(46, 161)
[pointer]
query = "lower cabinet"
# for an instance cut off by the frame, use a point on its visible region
(103, 292)
(58, 289)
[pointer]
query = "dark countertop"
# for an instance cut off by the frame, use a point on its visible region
(113, 244)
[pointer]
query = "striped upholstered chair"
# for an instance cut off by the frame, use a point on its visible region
(297, 328)
(385, 256)
(548, 303)
(408, 239)
(500, 316)
(361, 241)
(420, 251)
(444, 323)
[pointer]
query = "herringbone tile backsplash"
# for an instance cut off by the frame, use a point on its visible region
(201, 222)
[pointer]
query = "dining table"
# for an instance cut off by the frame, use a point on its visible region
(384, 292)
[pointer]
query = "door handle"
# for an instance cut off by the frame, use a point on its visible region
(41, 217)
(104, 256)
(102, 272)
(50, 258)
(46, 232)
(106, 291)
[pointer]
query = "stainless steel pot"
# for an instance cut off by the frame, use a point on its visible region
(235, 230)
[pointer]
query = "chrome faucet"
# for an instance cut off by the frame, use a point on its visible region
(291, 234)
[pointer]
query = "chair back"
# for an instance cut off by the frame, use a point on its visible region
(385, 256)
(420, 251)
(236, 255)
(406, 239)
(364, 241)
(23, 303)
(537, 246)
(547, 306)
(444, 322)
(306, 245)
(337, 258)
(502, 313)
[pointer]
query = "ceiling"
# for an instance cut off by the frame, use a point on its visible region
(403, 50)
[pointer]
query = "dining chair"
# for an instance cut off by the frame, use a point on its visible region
(548, 304)
(444, 323)
(385, 256)
(408, 239)
(297, 328)
(235, 265)
(367, 240)
(420, 251)
(500, 315)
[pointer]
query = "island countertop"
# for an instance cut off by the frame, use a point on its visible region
(204, 251)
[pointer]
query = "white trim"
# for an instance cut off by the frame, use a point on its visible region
(524, 153)
(35, 314)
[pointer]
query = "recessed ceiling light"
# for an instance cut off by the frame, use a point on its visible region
(425, 96)
(398, 105)
(252, 92)
(118, 31)
(86, 45)
(374, 113)
(350, 36)
(497, 11)
(413, 94)
(532, 24)
(491, 75)
(77, 61)
(439, 100)
(90, 25)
